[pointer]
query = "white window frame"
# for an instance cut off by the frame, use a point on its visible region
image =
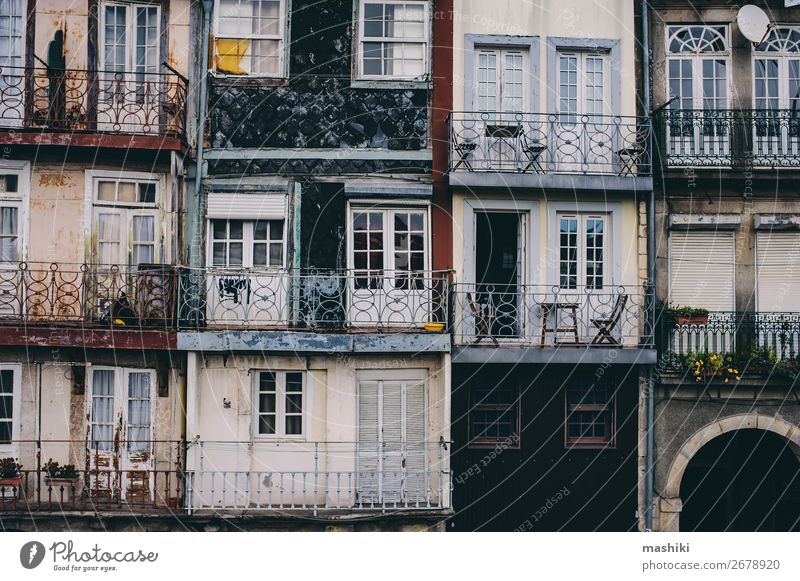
(248, 242)
(424, 41)
(20, 200)
(127, 210)
(388, 212)
(282, 38)
(120, 398)
(582, 218)
(501, 52)
(131, 36)
(13, 448)
(581, 57)
(697, 66)
(782, 57)
(280, 405)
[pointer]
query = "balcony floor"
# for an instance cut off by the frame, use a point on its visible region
(548, 181)
(525, 354)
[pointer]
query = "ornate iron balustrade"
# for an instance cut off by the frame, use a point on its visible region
(318, 477)
(549, 316)
(549, 143)
(74, 100)
(104, 477)
(315, 300)
(747, 138)
(729, 332)
(94, 294)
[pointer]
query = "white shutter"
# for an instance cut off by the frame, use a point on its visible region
(392, 437)
(701, 270)
(416, 481)
(778, 271)
(368, 443)
(246, 206)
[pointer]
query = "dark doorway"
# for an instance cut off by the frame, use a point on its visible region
(497, 272)
(746, 480)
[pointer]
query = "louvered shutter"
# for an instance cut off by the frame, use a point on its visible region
(392, 436)
(701, 270)
(416, 480)
(368, 443)
(778, 271)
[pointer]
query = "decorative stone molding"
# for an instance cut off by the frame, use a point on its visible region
(704, 221)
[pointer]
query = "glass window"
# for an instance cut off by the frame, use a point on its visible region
(494, 412)
(6, 406)
(9, 232)
(247, 243)
(393, 40)
(280, 403)
(590, 414)
(582, 251)
(249, 37)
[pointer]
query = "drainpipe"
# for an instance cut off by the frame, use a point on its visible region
(651, 271)
(193, 213)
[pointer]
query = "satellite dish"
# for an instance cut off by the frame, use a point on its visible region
(754, 23)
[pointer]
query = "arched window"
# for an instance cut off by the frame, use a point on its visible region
(776, 70)
(697, 66)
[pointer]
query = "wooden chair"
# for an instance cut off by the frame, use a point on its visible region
(483, 320)
(605, 326)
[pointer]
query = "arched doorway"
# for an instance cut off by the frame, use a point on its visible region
(742, 480)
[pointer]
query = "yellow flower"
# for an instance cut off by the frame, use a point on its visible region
(730, 370)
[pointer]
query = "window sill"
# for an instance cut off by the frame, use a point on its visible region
(390, 84)
(248, 80)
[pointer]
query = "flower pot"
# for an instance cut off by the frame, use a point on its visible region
(59, 489)
(691, 320)
(10, 487)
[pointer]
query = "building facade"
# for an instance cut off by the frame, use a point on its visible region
(726, 412)
(549, 174)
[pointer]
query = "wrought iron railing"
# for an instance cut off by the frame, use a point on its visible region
(746, 138)
(76, 100)
(547, 315)
(548, 143)
(313, 300)
(98, 294)
(731, 332)
(139, 476)
(318, 476)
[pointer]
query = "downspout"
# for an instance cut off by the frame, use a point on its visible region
(651, 270)
(194, 211)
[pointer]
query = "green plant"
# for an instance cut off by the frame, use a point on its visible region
(707, 364)
(9, 468)
(686, 311)
(54, 470)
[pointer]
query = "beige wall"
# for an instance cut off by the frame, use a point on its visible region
(581, 19)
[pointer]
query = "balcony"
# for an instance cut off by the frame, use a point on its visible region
(549, 150)
(41, 102)
(351, 300)
(318, 477)
(143, 476)
(88, 295)
(760, 342)
(737, 139)
(547, 316)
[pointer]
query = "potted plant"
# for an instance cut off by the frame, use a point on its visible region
(59, 478)
(689, 315)
(10, 479)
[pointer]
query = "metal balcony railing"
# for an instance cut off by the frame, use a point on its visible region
(319, 476)
(127, 475)
(731, 332)
(75, 100)
(549, 316)
(547, 143)
(746, 138)
(315, 300)
(97, 294)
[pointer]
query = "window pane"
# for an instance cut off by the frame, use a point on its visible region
(236, 229)
(9, 183)
(126, 192)
(260, 231)
(6, 409)
(107, 191)
(276, 230)
(276, 254)
(219, 229)
(266, 424)
(6, 381)
(5, 432)
(294, 425)
(147, 193)
(259, 255)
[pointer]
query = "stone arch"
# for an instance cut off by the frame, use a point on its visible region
(671, 504)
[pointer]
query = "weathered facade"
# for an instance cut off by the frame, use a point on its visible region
(549, 173)
(727, 242)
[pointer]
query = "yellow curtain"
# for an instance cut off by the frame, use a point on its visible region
(230, 52)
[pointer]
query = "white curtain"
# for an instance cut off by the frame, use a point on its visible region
(143, 239)
(138, 411)
(102, 409)
(8, 234)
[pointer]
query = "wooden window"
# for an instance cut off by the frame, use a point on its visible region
(249, 37)
(590, 419)
(494, 413)
(280, 403)
(9, 404)
(501, 83)
(393, 40)
(246, 243)
(697, 66)
(583, 251)
(13, 193)
(582, 85)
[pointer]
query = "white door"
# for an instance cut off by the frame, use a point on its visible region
(776, 126)
(12, 61)
(392, 456)
(130, 86)
(698, 125)
(583, 141)
(389, 282)
(502, 109)
(121, 448)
